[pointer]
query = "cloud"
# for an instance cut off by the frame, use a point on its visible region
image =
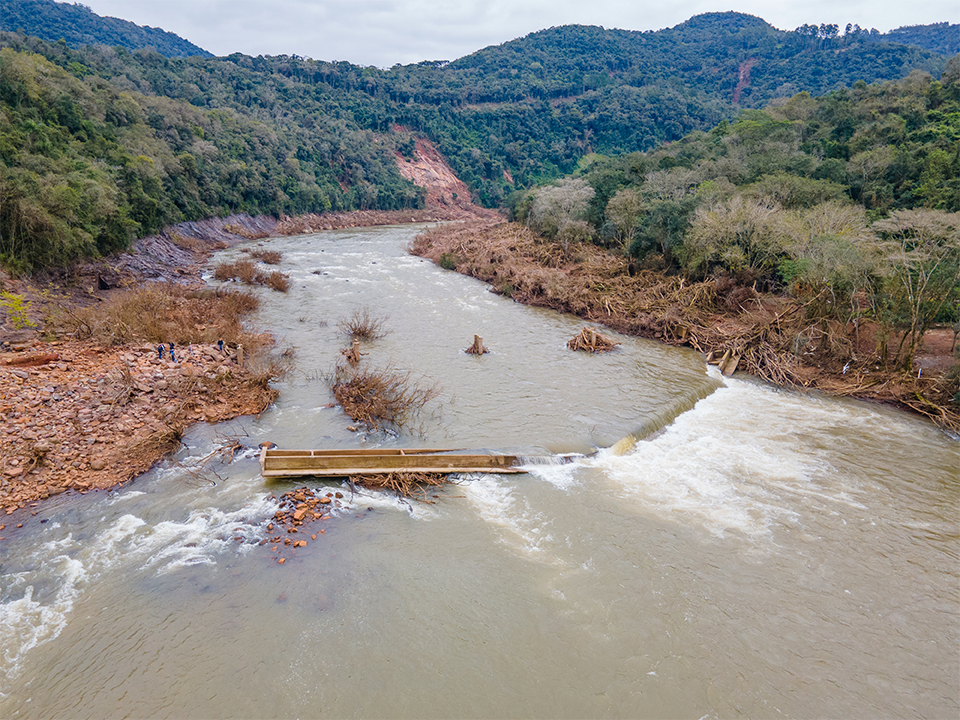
(386, 32)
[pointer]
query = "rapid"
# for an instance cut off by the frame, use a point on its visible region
(717, 547)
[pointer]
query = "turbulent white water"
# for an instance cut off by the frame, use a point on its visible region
(706, 548)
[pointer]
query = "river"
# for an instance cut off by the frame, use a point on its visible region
(717, 548)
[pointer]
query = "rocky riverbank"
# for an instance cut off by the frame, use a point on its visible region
(76, 415)
(81, 414)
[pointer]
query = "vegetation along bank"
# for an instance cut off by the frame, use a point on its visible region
(817, 240)
(814, 241)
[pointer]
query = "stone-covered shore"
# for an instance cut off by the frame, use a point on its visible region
(78, 416)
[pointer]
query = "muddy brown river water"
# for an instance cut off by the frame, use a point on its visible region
(717, 548)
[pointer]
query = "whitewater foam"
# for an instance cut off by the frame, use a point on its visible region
(517, 525)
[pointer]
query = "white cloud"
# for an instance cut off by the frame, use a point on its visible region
(385, 32)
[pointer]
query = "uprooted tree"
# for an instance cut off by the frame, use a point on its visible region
(381, 398)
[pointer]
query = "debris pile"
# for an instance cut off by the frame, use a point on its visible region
(591, 341)
(404, 484)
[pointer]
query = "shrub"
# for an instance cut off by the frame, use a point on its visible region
(270, 257)
(245, 271)
(448, 262)
(362, 325)
(278, 281)
(380, 398)
(17, 309)
(169, 313)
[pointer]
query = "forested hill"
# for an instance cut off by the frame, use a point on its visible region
(735, 57)
(77, 25)
(100, 144)
(943, 38)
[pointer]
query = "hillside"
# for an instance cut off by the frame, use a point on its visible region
(943, 38)
(163, 140)
(78, 26)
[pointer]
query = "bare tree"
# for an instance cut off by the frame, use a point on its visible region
(923, 248)
(624, 210)
(556, 205)
(738, 234)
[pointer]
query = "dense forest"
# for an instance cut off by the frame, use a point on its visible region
(99, 144)
(851, 201)
(86, 166)
(943, 38)
(77, 25)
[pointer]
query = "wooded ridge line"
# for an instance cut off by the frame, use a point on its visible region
(150, 141)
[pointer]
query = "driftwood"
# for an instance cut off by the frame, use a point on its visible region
(404, 484)
(30, 360)
(477, 348)
(592, 341)
(727, 364)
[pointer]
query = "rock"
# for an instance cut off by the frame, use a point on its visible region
(22, 374)
(97, 464)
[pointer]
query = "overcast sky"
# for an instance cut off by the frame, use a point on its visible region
(386, 32)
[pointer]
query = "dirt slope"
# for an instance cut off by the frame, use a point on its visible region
(445, 191)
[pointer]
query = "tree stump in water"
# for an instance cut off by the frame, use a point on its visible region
(477, 348)
(352, 353)
(592, 341)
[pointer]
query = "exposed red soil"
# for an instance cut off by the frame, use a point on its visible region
(743, 78)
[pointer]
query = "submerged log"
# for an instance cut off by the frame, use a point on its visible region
(731, 366)
(352, 353)
(723, 360)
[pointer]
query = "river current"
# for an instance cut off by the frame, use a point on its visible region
(716, 548)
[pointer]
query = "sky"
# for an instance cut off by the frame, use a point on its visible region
(386, 32)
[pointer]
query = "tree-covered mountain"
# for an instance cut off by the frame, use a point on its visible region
(760, 193)
(170, 139)
(943, 38)
(78, 26)
(87, 164)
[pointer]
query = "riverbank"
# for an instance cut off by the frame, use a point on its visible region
(81, 416)
(101, 393)
(80, 413)
(768, 335)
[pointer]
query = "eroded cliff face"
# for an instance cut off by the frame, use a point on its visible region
(429, 169)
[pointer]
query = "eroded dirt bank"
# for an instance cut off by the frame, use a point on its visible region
(770, 336)
(76, 415)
